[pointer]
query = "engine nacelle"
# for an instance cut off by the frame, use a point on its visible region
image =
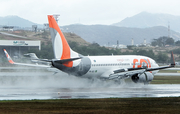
(142, 78)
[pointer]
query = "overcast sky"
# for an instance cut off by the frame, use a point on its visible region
(85, 11)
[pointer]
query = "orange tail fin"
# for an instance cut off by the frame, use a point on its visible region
(61, 47)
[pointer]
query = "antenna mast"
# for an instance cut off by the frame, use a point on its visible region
(56, 16)
(168, 29)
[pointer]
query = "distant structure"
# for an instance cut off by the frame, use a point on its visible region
(117, 44)
(56, 16)
(46, 26)
(144, 41)
(132, 42)
(18, 47)
(34, 28)
(168, 29)
(8, 28)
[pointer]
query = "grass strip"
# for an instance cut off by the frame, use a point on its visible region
(166, 80)
(109, 105)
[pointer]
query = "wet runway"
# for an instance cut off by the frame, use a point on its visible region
(30, 85)
(20, 93)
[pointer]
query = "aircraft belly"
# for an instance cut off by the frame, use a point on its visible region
(95, 72)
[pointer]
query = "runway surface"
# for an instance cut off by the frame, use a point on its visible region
(21, 93)
(35, 84)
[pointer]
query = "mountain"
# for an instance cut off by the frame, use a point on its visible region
(17, 21)
(104, 34)
(145, 19)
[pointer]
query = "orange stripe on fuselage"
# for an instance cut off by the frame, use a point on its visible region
(66, 49)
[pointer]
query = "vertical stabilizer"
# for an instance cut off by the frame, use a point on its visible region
(61, 47)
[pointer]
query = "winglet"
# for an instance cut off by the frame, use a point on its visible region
(8, 57)
(172, 60)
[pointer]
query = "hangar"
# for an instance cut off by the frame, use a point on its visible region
(16, 48)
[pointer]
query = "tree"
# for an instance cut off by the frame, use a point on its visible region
(162, 57)
(177, 43)
(162, 41)
(154, 42)
(176, 51)
(148, 53)
(169, 41)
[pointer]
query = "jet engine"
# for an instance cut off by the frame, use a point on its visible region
(142, 78)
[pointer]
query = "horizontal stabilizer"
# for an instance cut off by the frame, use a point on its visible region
(44, 60)
(31, 55)
(67, 60)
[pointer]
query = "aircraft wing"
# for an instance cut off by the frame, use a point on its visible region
(128, 72)
(31, 55)
(32, 65)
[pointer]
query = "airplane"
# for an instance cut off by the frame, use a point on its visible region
(140, 69)
(33, 57)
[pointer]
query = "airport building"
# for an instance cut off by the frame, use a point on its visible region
(8, 28)
(16, 48)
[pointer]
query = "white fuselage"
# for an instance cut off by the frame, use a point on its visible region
(103, 66)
